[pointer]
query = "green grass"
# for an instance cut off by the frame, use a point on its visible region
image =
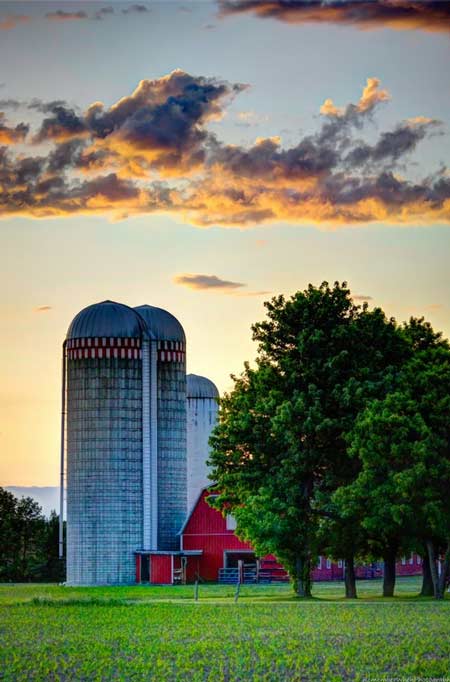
(50, 632)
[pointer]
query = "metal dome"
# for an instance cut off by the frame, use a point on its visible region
(162, 324)
(200, 387)
(109, 319)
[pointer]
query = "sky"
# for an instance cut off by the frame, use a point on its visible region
(203, 157)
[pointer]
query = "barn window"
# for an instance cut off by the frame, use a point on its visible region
(328, 563)
(319, 563)
(340, 563)
(411, 559)
(403, 561)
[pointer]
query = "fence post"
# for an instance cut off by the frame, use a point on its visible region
(196, 591)
(236, 594)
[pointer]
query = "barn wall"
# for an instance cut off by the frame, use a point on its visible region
(213, 547)
(207, 530)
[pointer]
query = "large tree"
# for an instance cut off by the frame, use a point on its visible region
(403, 445)
(279, 450)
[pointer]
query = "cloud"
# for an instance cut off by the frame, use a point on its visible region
(136, 9)
(393, 145)
(214, 283)
(12, 135)
(247, 119)
(206, 282)
(153, 151)
(371, 96)
(103, 12)
(43, 308)
(400, 15)
(250, 294)
(63, 123)
(12, 21)
(160, 125)
(61, 15)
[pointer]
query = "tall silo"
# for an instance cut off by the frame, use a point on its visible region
(202, 411)
(169, 356)
(107, 513)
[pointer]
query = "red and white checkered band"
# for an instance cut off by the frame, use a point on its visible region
(171, 351)
(104, 348)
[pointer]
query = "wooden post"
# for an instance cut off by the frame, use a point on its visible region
(236, 594)
(196, 590)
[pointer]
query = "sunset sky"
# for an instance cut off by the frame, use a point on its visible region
(202, 157)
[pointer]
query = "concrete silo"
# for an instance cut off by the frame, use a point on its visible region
(202, 411)
(168, 361)
(103, 375)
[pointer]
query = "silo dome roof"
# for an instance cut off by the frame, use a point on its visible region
(107, 318)
(200, 387)
(162, 324)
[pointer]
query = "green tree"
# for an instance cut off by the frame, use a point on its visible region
(403, 444)
(8, 535)
(54, 569)
(22, 537)
(279, 450)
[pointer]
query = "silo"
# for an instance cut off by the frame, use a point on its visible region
(105, 428)
(202, 411)
(169, 356)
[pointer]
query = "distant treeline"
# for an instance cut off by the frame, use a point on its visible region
(28, 542)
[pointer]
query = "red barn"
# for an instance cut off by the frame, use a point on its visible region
(210, 550)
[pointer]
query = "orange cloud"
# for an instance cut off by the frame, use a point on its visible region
(371, 96)
(399, 15)
(61, 15)
(12, 21)
(207, 283)
(152, 152)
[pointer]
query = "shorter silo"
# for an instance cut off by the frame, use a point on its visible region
(202, 410)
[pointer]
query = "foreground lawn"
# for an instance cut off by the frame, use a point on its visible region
(50, 633)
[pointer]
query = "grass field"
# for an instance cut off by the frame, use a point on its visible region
(50, 633)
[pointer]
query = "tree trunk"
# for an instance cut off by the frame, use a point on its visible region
(389, 573)
(427, 581)
(433, 569)
(303, 577)
(444, 572)
(350, 579)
